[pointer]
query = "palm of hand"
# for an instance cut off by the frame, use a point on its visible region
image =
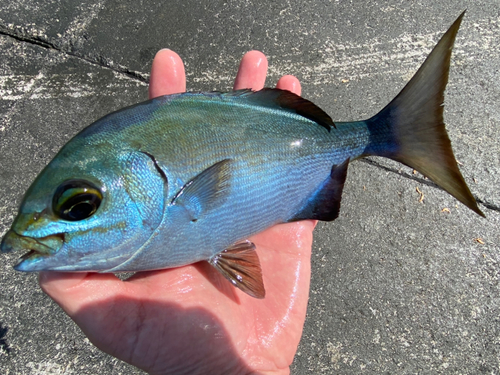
(190, 319)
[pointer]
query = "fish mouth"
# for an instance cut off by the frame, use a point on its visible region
(31, 255)
(38, 247)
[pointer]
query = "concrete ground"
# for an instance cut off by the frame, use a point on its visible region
(399, 285)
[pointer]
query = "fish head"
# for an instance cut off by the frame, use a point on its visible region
(88, 213)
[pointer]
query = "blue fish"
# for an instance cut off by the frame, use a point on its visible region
(190, 177)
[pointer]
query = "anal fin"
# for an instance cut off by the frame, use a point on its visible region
(241, 266)
(324, 204)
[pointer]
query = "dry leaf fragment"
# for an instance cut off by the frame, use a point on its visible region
(421, 199)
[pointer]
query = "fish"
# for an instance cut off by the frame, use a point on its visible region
(190, 177)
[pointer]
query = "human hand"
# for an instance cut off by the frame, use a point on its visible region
(190, 320)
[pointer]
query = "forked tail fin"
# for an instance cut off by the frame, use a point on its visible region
(410, 129)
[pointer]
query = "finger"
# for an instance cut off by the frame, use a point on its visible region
(289, 83)
(72, 291)
(167, 74)
(252, 71)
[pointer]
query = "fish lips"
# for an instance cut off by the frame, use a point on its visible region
(37, 247)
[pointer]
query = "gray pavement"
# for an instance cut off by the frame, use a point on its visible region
(398, 285)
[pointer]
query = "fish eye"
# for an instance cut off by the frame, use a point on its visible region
(76, 200)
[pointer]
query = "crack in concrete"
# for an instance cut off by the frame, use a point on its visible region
(41, 42)
(484, 203)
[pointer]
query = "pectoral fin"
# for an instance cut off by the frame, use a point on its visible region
(240, 265)
(206, 190)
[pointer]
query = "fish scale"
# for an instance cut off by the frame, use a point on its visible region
(190, 177)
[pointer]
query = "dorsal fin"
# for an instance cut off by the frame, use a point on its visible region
(272, 98)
